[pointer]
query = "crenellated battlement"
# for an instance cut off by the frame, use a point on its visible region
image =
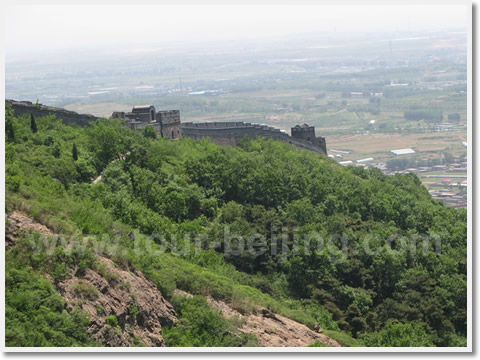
(230, 133)
(168, 124)
(68, 117)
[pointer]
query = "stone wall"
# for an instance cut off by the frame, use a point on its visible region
(68, 117)
(321, 143)
(230, 133)
(168, 116)
(171, 125)
(168, 124)
(137, 125)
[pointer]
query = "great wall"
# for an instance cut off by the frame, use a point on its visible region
(167, 123)
(68, 117)
(230, 133)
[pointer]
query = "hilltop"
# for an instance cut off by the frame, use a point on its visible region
(223, 238)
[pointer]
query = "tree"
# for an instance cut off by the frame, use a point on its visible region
(301, 210)
(63, 170)
(200, 325)
(109, 139)
(74, 152)
(33, 124)
(9, 130)
(454, 117)
(56, 150)
(149, 132)
(397, 334)
(31, 296)
(448, 157)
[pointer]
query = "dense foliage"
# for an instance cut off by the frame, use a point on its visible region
(35, 315)
(427, 115)
(384, 292)
(200, 325)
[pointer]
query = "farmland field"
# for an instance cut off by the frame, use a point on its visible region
(361, 94)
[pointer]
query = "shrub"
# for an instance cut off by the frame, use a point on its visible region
(343, 338)
(399, 335)
(112, 321)
(35, 315)
(85, 291)
(318, 344)
(200, 325)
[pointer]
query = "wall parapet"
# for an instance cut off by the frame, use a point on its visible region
(68, 117)
(167, 123)
(230, 133)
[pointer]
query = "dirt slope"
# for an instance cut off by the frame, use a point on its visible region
(135, 308)
(126, 309)
(272, 330)
(136, 303)
(18, 223)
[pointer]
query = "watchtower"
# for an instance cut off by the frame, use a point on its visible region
(304, 132)
(170, 122)
(144, 113)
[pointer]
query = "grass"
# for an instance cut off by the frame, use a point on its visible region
(170, 272)
(85, 291)
(343, 338)
(318, 344)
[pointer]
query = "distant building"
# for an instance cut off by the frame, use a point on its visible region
(166, 123)
(304, 132)
(340, 151)
(403, 151)
(365, 160)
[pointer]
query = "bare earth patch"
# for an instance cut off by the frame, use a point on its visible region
(363, 145)
(124, 308)
(19, 224)
(272, 330)
(135, 302)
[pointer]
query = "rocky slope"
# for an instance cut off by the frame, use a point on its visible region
(125, 308)
(272, 330)
(18, 223)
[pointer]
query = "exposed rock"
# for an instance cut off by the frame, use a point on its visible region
(19, 224)
(140, 310)
(272, 330)
(268, 314)
(136, 303)
(317, 328)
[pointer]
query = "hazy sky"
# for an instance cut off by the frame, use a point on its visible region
(31, 28)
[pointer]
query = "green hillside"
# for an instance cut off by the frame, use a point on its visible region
(371, 259)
